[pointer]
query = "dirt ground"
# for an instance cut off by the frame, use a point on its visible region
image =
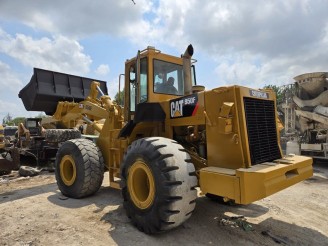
(33, 212)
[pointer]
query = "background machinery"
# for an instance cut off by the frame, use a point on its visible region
(2, 138)
(6, 161)
(163, 145)
(31, 139)
(305, 108)
(34, 137)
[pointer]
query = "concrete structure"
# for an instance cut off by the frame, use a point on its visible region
(306, 114)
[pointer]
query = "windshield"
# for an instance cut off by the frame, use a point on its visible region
(168, 78)
(31, 123)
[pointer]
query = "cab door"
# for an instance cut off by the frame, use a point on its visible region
(137, 86)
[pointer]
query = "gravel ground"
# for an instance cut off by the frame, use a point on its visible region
(33, 212)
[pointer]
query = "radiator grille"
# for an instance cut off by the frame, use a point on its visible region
(261, 130)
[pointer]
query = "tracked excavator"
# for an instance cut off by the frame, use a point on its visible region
(164, 144)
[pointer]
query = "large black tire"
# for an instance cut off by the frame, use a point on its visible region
(61, 135)
(79, 168)
(158, 184)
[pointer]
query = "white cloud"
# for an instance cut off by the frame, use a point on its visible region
(77, 18)
(251, 43)
(102, 70)
(113, 88)
(169, 25)
(260, 42)
(57, 53)
(10, 84)
(261, 27)
(9, 81)
(9, 107)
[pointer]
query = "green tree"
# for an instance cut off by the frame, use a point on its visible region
(279, 92)
(7, 119)
(16, 121)
(10, 121)
(121, 102)
(284, 93)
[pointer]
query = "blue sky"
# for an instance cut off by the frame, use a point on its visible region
(251, 43)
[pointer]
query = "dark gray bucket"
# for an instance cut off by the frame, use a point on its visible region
(46, 88)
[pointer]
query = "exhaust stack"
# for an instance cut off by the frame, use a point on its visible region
(187, 70)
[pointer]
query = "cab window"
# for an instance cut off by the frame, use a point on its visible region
(132, 78)
(168, 78)
(143, 93)
(143, 81)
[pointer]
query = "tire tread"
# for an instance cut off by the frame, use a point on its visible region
(92, 166)
(174, 175)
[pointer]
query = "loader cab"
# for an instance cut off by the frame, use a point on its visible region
(152, 77)
(34, 126)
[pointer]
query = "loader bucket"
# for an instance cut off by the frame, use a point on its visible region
(46, 88)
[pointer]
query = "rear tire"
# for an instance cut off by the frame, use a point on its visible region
(61, 135)
(79, 168)
(158, 184)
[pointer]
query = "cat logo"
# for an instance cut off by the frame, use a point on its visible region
(177, 108)
(184, 107)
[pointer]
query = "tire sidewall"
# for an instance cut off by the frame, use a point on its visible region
(155, 170)
(69, 148)
(174, 196)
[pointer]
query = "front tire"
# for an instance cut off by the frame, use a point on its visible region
(79, 168)
(158, 184)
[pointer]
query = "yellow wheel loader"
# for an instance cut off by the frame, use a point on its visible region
(168, 141)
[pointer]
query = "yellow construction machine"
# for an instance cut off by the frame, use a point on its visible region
(171, 137)
(2, 138)
(6, 157)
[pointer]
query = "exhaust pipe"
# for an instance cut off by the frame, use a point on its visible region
(187, 70)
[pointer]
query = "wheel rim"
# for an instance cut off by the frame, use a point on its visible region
(141, 185)
(67, 170)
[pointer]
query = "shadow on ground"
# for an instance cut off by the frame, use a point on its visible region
(106, 196)
(204, 228)
(17, 194)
